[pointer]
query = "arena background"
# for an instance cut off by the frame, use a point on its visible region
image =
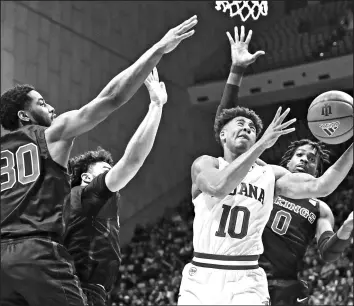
(70, 49)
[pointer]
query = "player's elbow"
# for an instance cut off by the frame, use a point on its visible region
(322, 191)
(317, 190)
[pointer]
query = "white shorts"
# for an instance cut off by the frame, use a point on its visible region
(214, 286)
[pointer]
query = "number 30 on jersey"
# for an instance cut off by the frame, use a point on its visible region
(12, 163)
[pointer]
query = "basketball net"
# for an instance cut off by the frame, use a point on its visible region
(245, 9)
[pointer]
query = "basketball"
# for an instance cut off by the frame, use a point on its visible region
(330, 117)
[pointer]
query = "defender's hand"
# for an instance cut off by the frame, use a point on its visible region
(346, 229)
(174, 36)
(276, 128)
(239, 48)
(157, 90)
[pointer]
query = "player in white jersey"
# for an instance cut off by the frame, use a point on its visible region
(229, 222)
(233, 198)
(213, 235)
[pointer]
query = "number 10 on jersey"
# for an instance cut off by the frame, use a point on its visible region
(239, 218)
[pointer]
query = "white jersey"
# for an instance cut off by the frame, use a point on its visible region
(234, 225)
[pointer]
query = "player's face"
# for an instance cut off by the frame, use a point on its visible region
(305, 160)
(239, 134)
(39, 112)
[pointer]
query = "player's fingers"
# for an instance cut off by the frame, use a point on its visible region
(187, 26)
(283, 115)
(149, 77)
(236, 34)
(277, 114)
(180, 26)
(163, 86)
(155, 74)
(249, 36)
(242, 36)
(230, 38)
(186, 35)
(284, 132)
(286, 124)
(258, 54)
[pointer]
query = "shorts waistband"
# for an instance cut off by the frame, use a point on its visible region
(225, 262)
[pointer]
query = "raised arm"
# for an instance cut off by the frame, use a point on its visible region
(209, 179)
(142, 141)
(302, 185)
(241, 58)
(119, 90)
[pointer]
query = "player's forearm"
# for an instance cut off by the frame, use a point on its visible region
(232, 175)
(229, 97)
(123, 86)
(143, 139)
(332, 245)
(330, 180)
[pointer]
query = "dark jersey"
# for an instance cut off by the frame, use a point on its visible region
(290, 229)
(92, 232)
(33, 186)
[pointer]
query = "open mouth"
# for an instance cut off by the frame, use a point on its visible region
(243, 137)
(300, 169)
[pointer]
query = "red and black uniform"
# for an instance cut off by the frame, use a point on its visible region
(92, 237)
(289, 231)
(33, 188)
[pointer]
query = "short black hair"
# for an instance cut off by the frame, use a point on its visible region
(12, 101)
(81, 163)
(321, 151)
(228, 114)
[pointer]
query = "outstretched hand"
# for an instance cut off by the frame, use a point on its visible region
(157, 89)
(239, 48)
(347, 226)
(175, 35)
(276, 128)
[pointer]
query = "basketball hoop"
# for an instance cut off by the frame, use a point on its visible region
(252, 8)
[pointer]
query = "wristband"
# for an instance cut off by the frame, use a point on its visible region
(238, 69)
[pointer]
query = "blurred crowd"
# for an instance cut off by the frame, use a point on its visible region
(152, 263)
(332, 283)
